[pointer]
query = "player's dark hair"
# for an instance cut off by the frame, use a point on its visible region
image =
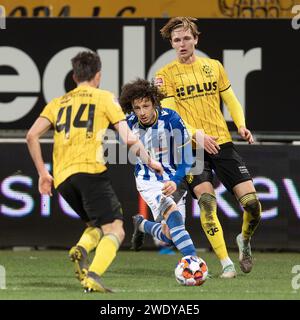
(188, 23)
(139, 89)
(85, 65)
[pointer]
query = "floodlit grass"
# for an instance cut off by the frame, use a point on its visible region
(145, 275)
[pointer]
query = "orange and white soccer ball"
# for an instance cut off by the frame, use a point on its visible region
(191, 271)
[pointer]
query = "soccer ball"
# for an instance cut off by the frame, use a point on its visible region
(191, 271)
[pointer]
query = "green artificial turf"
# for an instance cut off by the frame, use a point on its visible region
(145, 275)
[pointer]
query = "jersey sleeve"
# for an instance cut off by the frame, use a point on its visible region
(234, 107)
(224, 82)
(48, 111)
(114, 111)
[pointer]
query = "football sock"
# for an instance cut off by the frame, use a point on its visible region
(252, 214)
(211, 224)
(179, 235)
(154, 228)
(105, 253)
(90, 238)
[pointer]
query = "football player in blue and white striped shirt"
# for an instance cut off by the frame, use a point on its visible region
(166, 138)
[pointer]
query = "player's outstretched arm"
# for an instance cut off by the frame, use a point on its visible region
(137, 147)
(41, 126)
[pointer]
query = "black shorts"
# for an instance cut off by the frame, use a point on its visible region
(228, 165)
(92, 197)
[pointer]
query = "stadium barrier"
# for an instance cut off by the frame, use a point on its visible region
(29, 219)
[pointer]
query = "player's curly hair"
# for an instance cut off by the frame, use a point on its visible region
(177, 22)
(85, 65)
(139, 89)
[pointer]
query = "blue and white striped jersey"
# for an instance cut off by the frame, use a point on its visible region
(162, 140)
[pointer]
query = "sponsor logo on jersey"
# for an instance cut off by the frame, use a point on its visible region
(206, 87)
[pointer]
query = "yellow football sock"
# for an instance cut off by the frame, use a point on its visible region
(105, 253)
(90, 238)
(211, 225)
(252, 214)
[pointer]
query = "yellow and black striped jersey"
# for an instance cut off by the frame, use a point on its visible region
(80, 119)
(193, 90)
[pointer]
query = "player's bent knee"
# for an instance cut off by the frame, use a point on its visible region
(251, 204)
(208, 204)
(118, 230)
(203, 188)
(112, 227)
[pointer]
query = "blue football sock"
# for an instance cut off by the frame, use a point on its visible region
(179, 235)
(154, 228)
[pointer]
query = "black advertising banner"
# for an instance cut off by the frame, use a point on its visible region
(261, 58)
(29, 219)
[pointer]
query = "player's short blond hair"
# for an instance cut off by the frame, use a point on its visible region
(188, 23)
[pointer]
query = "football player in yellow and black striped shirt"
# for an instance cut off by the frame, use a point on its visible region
(79, 119)
(195, 87)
